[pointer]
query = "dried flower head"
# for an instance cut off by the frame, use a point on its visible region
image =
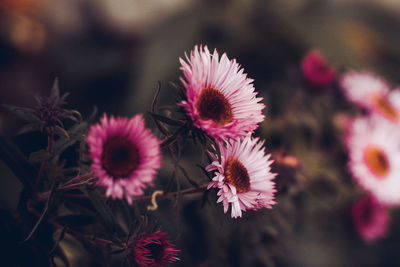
(153, 250)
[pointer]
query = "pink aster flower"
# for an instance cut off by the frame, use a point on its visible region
(154, 250)
(125, 155)
(372, 93)
(374, 157)
(316, 70)
(220, 98)
(243, 176)
(370, 219)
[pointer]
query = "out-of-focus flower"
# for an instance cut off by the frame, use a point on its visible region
(342, 121)
(374, 157)
(154, 250)
(370, 218)
(125, 155)
(316, 70)
(220, 98)
(372, 93)
(243, 176)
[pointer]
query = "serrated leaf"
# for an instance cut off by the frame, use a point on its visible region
(17, 163)
(102, 209)
(39, 156)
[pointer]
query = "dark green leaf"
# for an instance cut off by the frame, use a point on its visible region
(44, 213)
(167, 120)
(55, 90)
(155, 100)
(17, 163)
(30, 127)
(61, 132)
(75, 134)
(102, 209)
(75, 220)
(39, 156)
(24, 113)
(190, 180)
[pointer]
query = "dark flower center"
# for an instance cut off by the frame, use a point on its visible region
(236, 174)
(376, 161)
(120, 157)
(156, 251)
(385, 107)
(213, 105)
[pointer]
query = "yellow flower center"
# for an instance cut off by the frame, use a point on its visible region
(385, 107)
(377, 161)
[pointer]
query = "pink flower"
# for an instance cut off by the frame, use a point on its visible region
(220, 98)
(316, 70)
(372, 93)
(370, 219)
(374, 157)
(125, 155)
(154, 250)
(243, 176)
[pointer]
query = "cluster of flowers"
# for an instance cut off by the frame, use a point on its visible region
(373, 144)
(222, 103)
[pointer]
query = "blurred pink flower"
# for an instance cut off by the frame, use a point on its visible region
(243, 176)
(220, 98)
(372, 93)
(125, 155)
(374, 157)
(154, 250)
(316, 70)
(370, 219)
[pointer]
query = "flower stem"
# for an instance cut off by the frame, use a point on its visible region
(188, 191)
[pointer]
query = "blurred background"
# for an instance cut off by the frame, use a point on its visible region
(112, 53)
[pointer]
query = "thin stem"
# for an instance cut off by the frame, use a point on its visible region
(50, 141)
(173, 194)
(69, 186)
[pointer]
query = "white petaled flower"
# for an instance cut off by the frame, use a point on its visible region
(374, 157)
(243, 176)
(372, 93)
